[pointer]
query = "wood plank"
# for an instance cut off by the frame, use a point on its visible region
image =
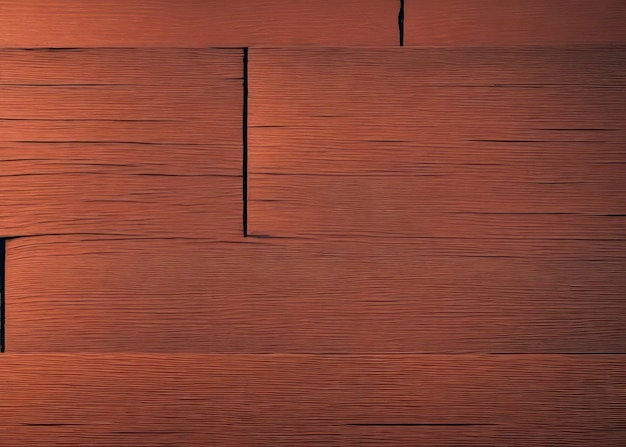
(106, 102)
(122, 84)
(190, 23)
(454, 206)
(127, 142)
(189, 67)
(286, 400)
(494, 23)
(99, 294)
(506, 143)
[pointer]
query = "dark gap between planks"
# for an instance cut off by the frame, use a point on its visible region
(401, 22)
(3, 251)
(245, 142)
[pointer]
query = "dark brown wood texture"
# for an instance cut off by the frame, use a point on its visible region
(128, 142)
(197, 23)
(498, 23)
(295, 400)
(437, 246)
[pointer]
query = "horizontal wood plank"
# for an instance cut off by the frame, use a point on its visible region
(127, 142)
(118, 85)
(407, 105)
(494, 23)
(191, 23)
(458, 205)
(103, 294)
(100, 201)
(506, 143)
(106, 102)
(286, 400)
(187, 67)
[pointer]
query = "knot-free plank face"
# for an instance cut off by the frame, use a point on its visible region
(97, 294)
(497, 23)
(121, 142)
(198, 23)
(297, 400)
(478, 143)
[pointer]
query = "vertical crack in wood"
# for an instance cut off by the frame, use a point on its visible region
(245, 142)
(401, 22)
(3, 251)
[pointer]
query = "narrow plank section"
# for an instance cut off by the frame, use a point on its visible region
(519, 143)
(286, 400)
(3, 247)
(115, 141)
(469, 23)
(192, 23)
(73, 294)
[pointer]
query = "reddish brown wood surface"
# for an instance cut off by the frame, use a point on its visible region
(193, 23)
(74, 294)
(287, 400)
(497, 23)
(129, 142)
(438, 143)
(437, 247)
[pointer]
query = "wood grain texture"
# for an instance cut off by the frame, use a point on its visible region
(192, 23)
(287, 400)
(495, 23)
(72, 294)
(507, 143)
(130, 142)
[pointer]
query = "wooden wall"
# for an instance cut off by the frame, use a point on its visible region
(435, 247)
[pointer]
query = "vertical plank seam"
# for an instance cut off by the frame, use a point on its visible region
(401, 22)
(3, 245)
(245, 142)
